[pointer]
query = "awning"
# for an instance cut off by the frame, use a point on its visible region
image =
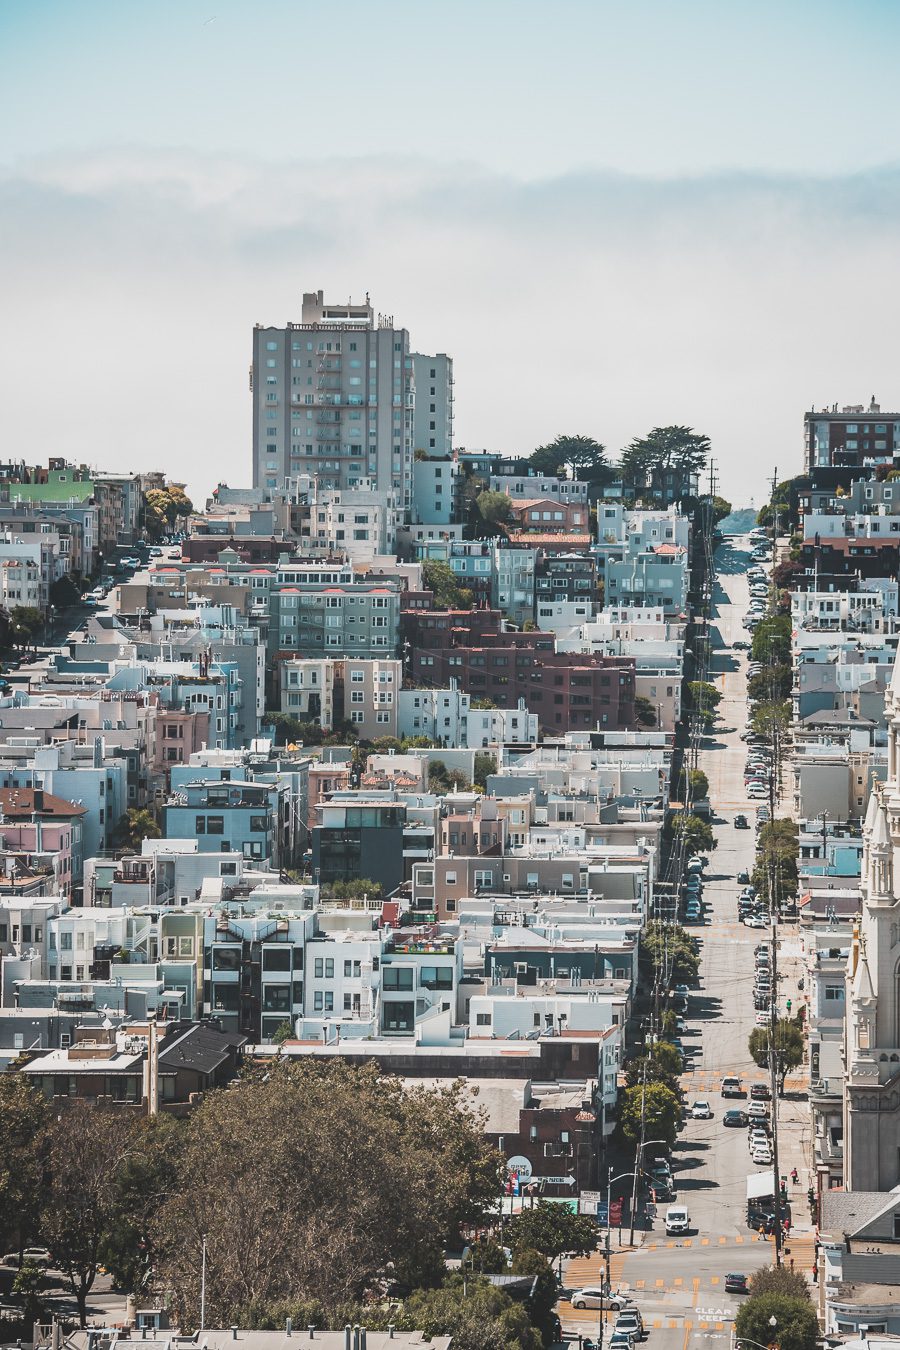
(760, 1185)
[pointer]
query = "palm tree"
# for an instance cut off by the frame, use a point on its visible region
(137, 824)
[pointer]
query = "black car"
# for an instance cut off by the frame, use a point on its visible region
(736, 1284)
(736, 1119)
(740, 823)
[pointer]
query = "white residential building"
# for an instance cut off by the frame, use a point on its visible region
(333, 395)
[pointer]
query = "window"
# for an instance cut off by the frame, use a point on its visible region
(397, 977)
(276, 958)
(215, 824)
(226, 958)
(483, 1019)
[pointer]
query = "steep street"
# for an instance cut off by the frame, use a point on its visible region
(710, 1162)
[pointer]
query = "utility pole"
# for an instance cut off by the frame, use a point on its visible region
(774, 513)
(639, 1157)
(824, 819)
(203, 1285)
(773, 1080)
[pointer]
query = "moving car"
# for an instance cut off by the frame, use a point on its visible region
(701, 1111)
(736, 1284)
(743, 877)
(732, 1086)
(760, 1092)
(678, 1220)
(594, 1295)
(735, 1119)
(740, 823)
(32, 1256)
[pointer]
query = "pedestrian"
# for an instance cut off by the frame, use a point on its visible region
(795, 1176)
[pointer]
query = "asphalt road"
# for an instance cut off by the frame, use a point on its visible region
(679, 1284)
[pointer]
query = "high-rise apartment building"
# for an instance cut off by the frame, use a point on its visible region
(333, 396)
(854, 437)
(433, 422)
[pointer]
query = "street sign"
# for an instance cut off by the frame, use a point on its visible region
(520, 1166)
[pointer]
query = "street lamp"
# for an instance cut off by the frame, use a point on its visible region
(638, 1168)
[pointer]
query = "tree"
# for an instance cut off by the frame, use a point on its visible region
(789, 1047)
(779, 1280)
(697, 781)
(142, 1183)
(660, 1062)
(163, 507)
(484, 764)
(772, 640)
(495, 508)
(661, 1113)
(23, 1117)
(551, 1229)
(785, 573)
(541, 1301)
(353, 888)
(471, 1311)
(644, 711)
(775, 682)
(441, 779)
(580, 457)
(88, 1148)
(442, 581)
(283, 1032)
(679, 450)
(771, 720)
(704, 698)
(696, 834)
(797, 1324)
(357, 1189)
(670, 953)
(136, 825)
(779, 850)
(25, 622)
(721, 509)
(64, 593)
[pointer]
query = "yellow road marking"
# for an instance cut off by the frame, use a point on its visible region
(639, 1284)
(660, 1284)
(722, 1241)
(739, 1238)
(704, 1242)
(714, 1279)
(678, 1281)
(720, 1326)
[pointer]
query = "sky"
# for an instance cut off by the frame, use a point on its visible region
(612, 215)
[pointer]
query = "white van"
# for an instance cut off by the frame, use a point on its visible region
(677, 1220)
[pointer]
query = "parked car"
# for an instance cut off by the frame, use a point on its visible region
(758, 1111)
(32, 1256)
(630, 1321)
(760, 1092)
(762, 1157)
